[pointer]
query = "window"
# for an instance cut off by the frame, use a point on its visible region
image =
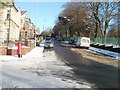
(6, 34)
(21, 21)
(8, 14)
(25, 33)
(30, 34)
(85, 41)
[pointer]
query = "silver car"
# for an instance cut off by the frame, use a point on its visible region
(49, 43)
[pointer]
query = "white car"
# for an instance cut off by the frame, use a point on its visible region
(83, 42)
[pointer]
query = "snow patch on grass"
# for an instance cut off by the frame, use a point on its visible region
(106, 52)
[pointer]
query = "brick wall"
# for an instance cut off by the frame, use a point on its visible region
(3, 50)
(11, 51)
(25, 49)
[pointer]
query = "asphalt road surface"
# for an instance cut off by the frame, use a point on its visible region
(103, 76)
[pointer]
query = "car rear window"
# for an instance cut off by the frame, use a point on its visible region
(85, 40)
(48, 41)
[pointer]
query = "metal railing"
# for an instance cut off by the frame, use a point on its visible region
(111, 41)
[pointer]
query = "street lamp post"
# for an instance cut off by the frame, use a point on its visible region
(43, 24)
(67, 31)
(8, 37)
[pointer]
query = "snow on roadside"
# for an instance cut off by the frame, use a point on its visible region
(106, 52)
(35, 53)
(8, 58)
(38, 70)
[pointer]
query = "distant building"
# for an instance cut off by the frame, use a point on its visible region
(15, 23)
(27, 29)
(37, 31)
(24, 16)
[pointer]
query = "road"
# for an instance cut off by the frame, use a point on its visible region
(102, 75)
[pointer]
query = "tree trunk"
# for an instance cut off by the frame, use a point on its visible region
(96, 29)
(101, 30)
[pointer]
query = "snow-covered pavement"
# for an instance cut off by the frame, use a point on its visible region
(37, 70)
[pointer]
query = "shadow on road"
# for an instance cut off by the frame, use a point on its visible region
(102, 75)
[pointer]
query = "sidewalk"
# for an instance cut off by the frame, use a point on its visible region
(35, 71)
(36, 52)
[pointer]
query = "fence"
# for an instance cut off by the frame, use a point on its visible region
(111, 41)
(4, 46)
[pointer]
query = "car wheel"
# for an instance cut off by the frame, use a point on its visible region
(87, 47)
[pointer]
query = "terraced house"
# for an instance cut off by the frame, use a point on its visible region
(28, 30)
(10, 17)
(15, 25)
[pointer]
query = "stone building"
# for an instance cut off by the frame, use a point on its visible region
(27, 29)
(10, 22)
(15, 25)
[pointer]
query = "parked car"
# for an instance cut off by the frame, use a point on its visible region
(59, 39)
(42, 43)
(49, 43)
(71, 41)
(83, 42)
(66, 42)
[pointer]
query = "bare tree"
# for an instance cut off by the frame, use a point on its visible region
(59, 29)
(115, 29)
(93, 18)
(114, 32)
(103, 13)
(79, 18)
(94, 11)
(47, 32)
(110, 10)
